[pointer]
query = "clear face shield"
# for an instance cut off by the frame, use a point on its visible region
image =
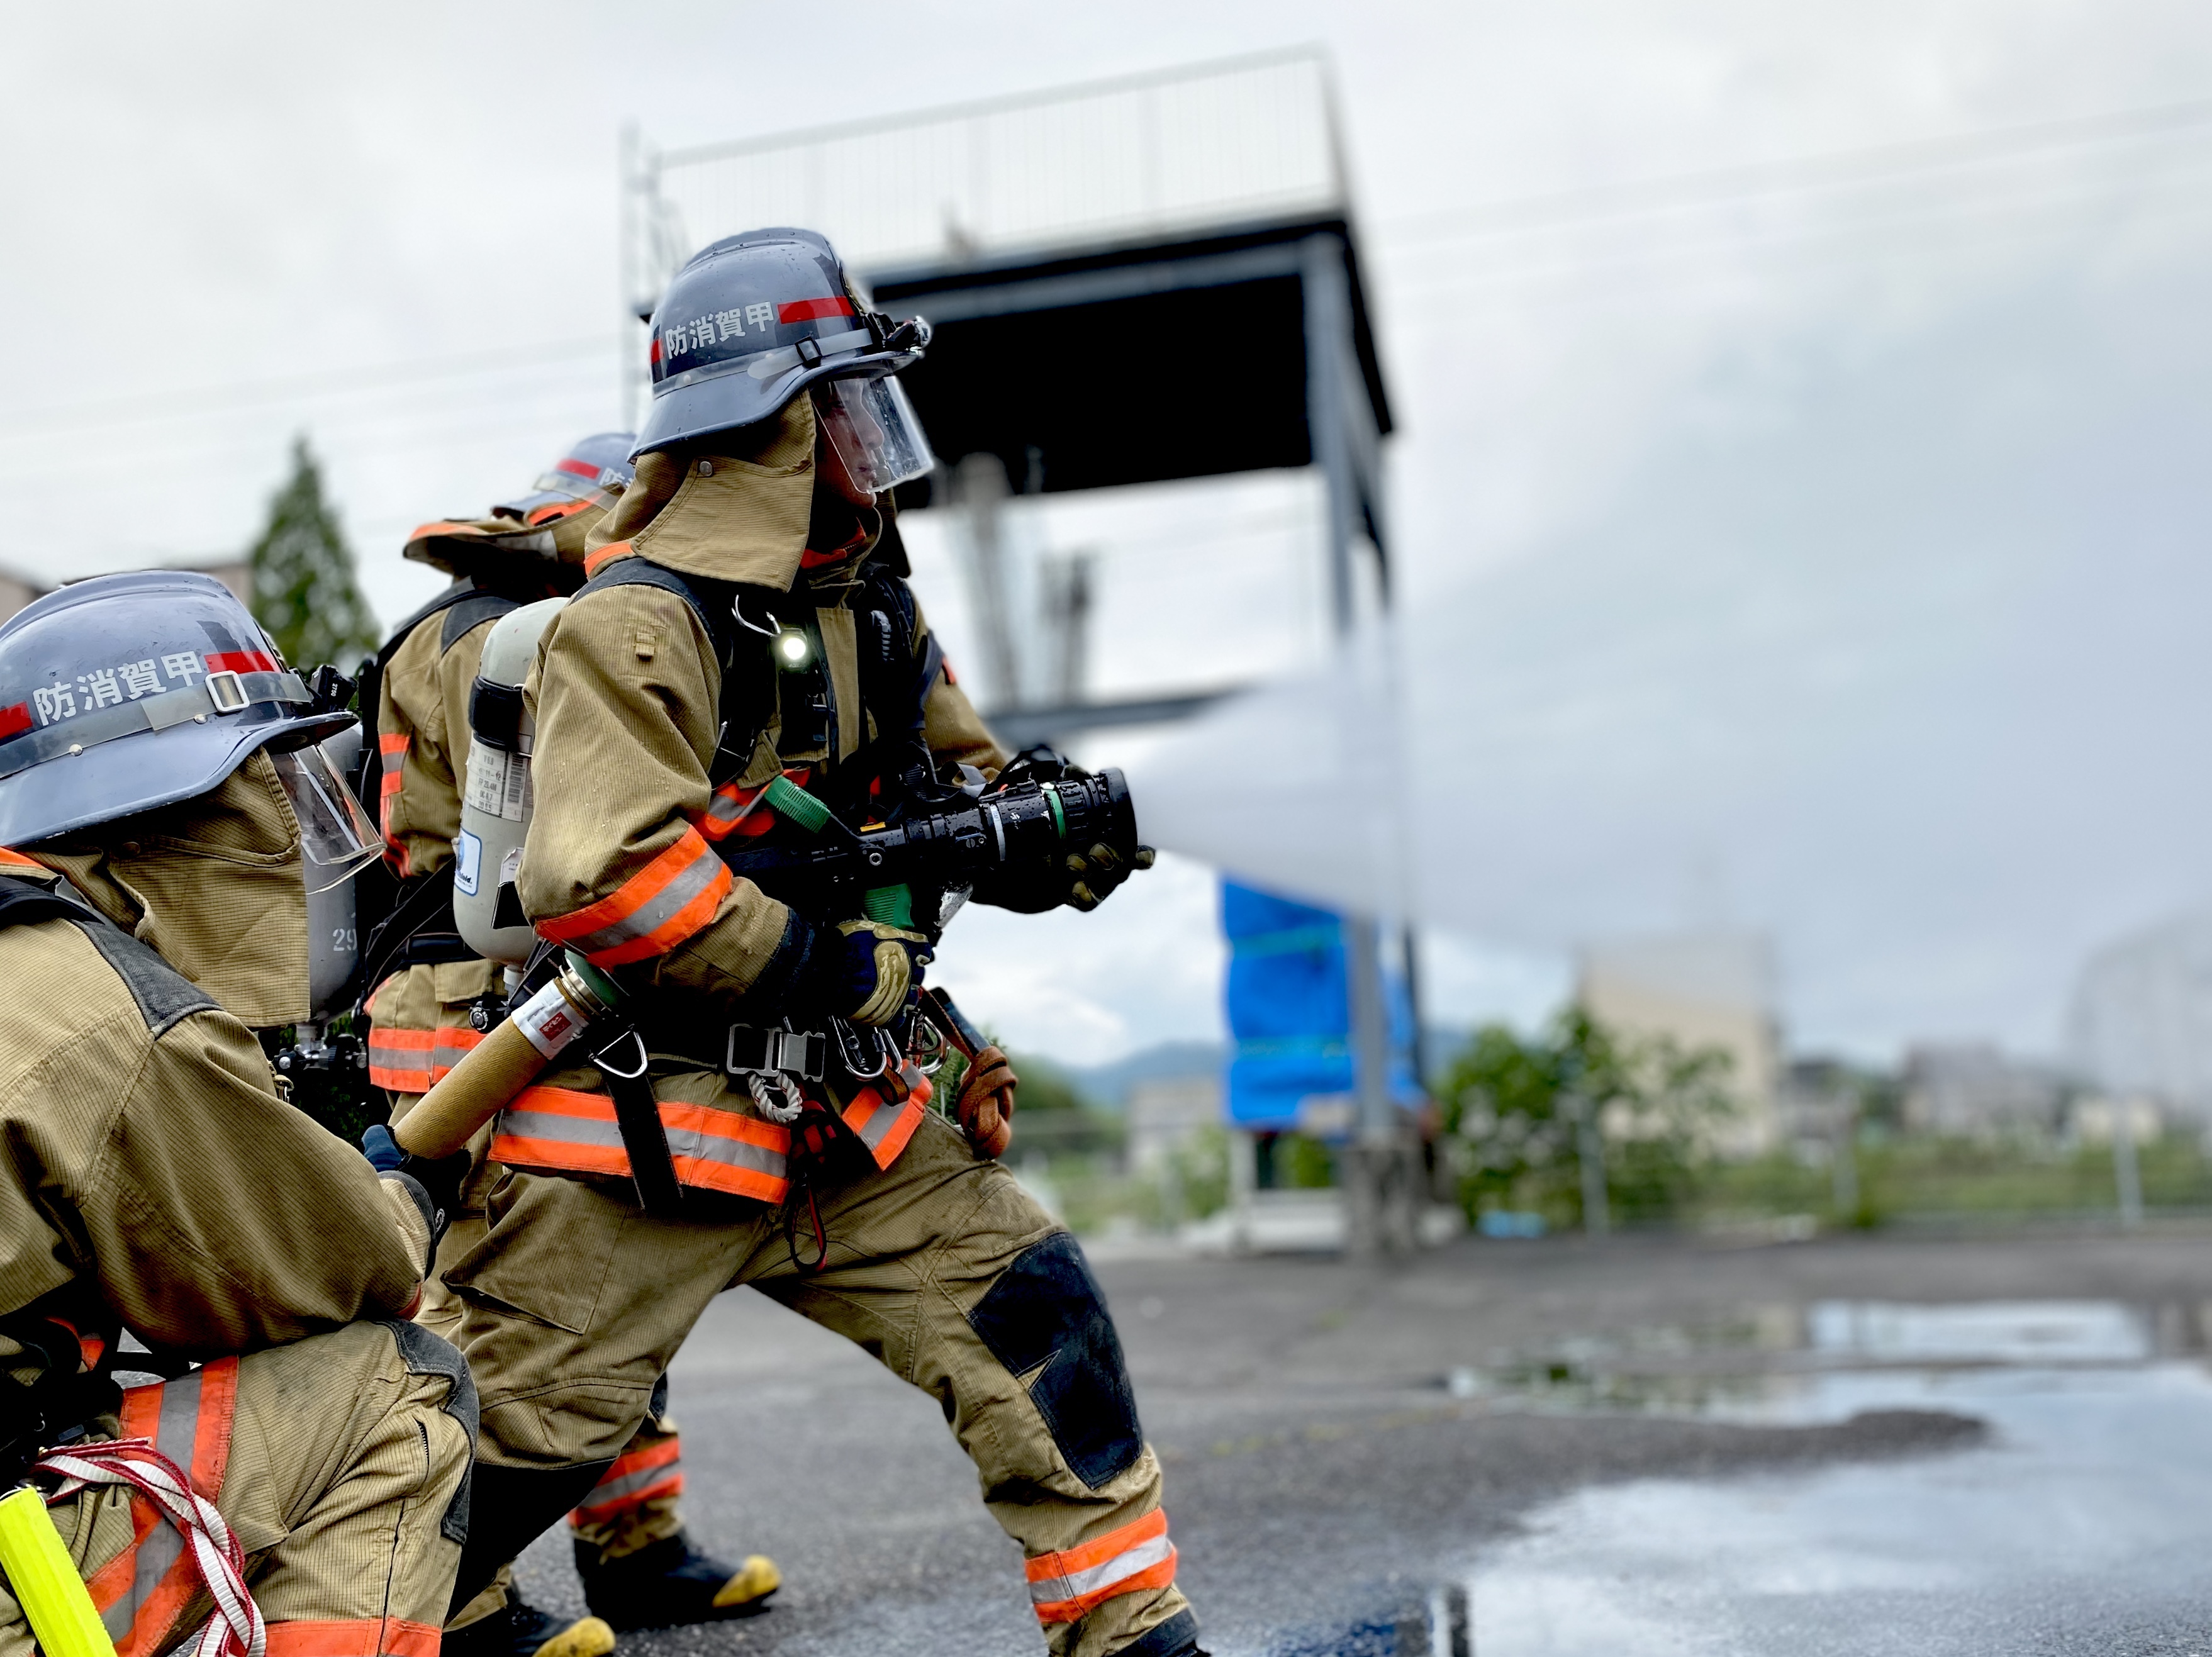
(873, 431)
(336, 837)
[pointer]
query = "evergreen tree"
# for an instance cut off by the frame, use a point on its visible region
(304, 590)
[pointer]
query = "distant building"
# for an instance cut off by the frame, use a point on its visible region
(1701, 990)
(1971, 1089)
(1165, 1113)
(2141, 1019)
(17, 589)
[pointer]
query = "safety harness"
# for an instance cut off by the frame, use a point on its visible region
(667, 1147)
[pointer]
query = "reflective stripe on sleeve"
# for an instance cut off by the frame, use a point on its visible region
(415, 1061)
(143, 1591)
(739, 811)
(1064, 1586)
(657, 908)
(370, 1637)
(563, 1131)
(392, 747)
(637, 1476)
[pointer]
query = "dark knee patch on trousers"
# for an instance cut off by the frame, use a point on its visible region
(1046, 1309)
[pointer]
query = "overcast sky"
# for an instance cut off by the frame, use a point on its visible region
(1815, 547)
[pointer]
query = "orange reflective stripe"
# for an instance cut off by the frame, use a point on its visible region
(444, 527)
(594, 562)
(563, 1130)
(734, 810)
(636, 1476)
(415, 1061)
(16, 861)
(1064, 1586)
(143, 1591)
(555, 514)
(400, 1059)
(883, 1124)
(657, 908)
(370, 1637)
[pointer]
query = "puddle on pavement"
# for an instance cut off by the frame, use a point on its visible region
(2081, 1525)
(1828, 1359)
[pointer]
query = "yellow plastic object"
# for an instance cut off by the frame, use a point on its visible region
(44, 1581)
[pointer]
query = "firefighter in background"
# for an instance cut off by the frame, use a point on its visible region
(748, 621)
(168, 815)
(432, 998)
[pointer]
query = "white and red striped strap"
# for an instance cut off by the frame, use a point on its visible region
(236, 1629)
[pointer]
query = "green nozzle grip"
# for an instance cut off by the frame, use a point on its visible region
(797, 804)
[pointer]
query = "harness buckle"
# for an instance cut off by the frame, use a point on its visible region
(750, 1047)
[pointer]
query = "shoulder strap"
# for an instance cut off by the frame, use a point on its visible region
(744, 695)
(164, 995)
(465, 615)
(460, 592)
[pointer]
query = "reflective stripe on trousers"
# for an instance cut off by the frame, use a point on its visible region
(671, 898)
(370, 1637)
(141, 1592)
(415, 1061)
(1064, 1586)
(561, 1131)
(638, 1474)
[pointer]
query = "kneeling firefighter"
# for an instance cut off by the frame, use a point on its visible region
(433, 993)
(288, 1465)
(759, 794)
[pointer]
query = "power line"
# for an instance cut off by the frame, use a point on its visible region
(1796, 175)
(100, 412)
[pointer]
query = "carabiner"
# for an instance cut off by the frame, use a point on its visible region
(849, 1047)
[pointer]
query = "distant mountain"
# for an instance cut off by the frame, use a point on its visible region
(1108, 1085)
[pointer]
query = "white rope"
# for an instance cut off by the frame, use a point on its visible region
(236, 1629)
(793, 1104)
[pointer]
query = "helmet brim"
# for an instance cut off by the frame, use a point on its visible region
(728, 401)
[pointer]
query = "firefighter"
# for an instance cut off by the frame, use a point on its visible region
(432, 997)
(166, 814)
(749, 619)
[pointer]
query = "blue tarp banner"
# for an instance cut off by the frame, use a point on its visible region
(1289, 1011)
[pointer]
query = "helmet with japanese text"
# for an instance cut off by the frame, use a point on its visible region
(125, 693)
(751, 321)
(540, 536)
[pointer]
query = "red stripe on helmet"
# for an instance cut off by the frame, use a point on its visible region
(242, 661)
(807, 310)
(15, 720)
(578, 469)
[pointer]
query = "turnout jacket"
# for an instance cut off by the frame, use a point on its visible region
(622, 860)
(151, 1174)
(419, 1016)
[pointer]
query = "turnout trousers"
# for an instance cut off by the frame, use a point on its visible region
(338, 1461)
(940, 1266)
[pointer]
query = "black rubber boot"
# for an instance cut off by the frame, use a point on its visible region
(671, 1582)
(522, 1631)
(510, 1508)
(1177, 1637)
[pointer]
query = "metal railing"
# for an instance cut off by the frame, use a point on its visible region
(1241, 139)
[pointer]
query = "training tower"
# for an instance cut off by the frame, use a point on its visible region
(1091, 257)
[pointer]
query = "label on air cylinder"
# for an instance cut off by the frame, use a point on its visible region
(468, 863)
(499, 783)
(548, 1021)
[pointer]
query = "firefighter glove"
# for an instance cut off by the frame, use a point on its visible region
(1099, 871)
(876, 970)
(986, 1105)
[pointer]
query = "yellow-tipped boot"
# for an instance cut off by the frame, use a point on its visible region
(671, 1582)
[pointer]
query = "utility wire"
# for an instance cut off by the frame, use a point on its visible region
(100, 413)
(1796, 175)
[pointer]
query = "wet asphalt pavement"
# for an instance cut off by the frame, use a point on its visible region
(1647, 1447)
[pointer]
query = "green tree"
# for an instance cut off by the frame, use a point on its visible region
(1515, 1103)
(304, 590)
